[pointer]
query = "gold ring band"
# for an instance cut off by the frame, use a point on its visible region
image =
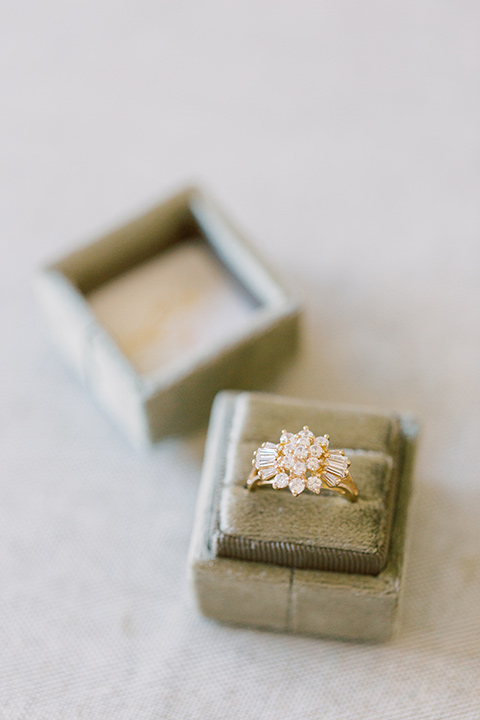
(301, 461)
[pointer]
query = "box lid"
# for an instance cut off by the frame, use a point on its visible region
(112, 341)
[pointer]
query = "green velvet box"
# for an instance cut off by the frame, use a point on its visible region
(314, 564)
(159, 315)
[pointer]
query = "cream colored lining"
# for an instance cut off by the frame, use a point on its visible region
(181, 301)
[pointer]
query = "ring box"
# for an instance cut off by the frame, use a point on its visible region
(310, 564)
(160, 314)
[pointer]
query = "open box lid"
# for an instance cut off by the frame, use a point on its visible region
(230, 321)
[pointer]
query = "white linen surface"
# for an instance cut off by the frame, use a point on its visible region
(344, 136)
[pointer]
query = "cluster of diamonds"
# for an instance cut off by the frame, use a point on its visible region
(300, 460)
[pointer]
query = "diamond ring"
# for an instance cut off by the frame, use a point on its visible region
(302, 461)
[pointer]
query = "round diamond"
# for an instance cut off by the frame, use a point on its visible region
(290, 446)
(280, 481)
(288, 462)
(307, 435)
(301, 452)
(297, 485)
(321, 440)
(313, 464)
(314, 484)
(316, 451)
(285, 437)
(299, 467)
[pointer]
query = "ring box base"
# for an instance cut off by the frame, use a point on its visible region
(343, 605)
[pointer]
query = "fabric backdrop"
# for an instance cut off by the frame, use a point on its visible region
(344, 137)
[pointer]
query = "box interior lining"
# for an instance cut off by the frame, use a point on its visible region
(185, 216)
(172, 284)
(179, 302)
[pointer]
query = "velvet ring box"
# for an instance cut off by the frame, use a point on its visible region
(160, 314)
(314, 564)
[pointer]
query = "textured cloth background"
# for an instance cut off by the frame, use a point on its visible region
(344, 136)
